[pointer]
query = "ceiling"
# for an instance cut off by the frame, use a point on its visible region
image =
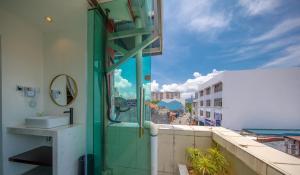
(124, 12)
(69, 15)
(66, 14)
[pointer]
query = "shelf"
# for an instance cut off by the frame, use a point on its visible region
(40, 170)
(38, 156)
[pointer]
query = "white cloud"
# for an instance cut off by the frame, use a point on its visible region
(252, 51)
(258, 7)
(122, 86)
(148, 90)
(279, 30)
(188, 88)
(196, 74)
(290, 58)
(281, 43)
(154, 86)
(207, 23)
(198, 15)
(120, 82)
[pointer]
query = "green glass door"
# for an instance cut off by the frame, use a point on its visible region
(117, 134)
(127, 149)
(96, 93)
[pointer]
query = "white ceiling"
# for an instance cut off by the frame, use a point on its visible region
(66, 14)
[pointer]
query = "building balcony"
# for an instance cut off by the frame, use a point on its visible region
(245, 156)
(217, 94)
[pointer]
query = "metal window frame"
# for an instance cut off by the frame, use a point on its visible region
(131, 53)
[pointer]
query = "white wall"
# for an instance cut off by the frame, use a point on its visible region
(32, 56)
(22, 64)
(65, 53)
(267, 99)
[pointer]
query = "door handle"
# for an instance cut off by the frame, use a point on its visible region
(141, 111)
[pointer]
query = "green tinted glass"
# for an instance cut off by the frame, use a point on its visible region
(127, 153)
(95, 115)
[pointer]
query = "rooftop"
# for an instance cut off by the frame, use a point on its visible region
(297, 138)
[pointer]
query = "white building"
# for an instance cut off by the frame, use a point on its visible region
(165, 95)
(264, 99)
(292, 145)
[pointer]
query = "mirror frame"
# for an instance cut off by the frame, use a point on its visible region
(76, 92)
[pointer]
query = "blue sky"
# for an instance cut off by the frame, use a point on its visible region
(203, 35)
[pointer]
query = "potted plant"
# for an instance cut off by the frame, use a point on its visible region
(211, 162)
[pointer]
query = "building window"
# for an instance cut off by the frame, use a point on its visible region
(196, 95)
(201, 103)
(194, 104)
(178, 94)
(207, 91)
(201, 113)
(218, 102)
(201, 93)
(207, 102)
(207, 114)
(161, 96)
(218, 87)
(217, 116)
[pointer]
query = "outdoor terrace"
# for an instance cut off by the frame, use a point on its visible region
(246, 156)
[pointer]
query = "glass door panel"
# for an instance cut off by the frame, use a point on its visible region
(95, 102)
(127, 151)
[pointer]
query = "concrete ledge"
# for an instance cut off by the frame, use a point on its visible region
(260, 158)
(183, 169)
(173, 141)
(165, 129)
(264, 160)
(183, 130)
(202, 131)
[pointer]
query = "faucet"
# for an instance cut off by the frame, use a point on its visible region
(70, 111)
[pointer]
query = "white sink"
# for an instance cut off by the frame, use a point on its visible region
(46, 121)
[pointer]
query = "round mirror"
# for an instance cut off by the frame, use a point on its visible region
(63, 90)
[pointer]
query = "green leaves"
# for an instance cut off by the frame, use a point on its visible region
(219, 160)
(205, 166)
(193, 154)
(189, 107)
(211, 163)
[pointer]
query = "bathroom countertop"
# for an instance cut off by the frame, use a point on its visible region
(22, 129)
(64, 154)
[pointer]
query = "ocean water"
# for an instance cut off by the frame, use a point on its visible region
(275, 132)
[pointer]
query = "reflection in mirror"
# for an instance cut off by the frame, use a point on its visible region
(63, 90)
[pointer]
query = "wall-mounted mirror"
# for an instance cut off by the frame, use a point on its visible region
(63, 90)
